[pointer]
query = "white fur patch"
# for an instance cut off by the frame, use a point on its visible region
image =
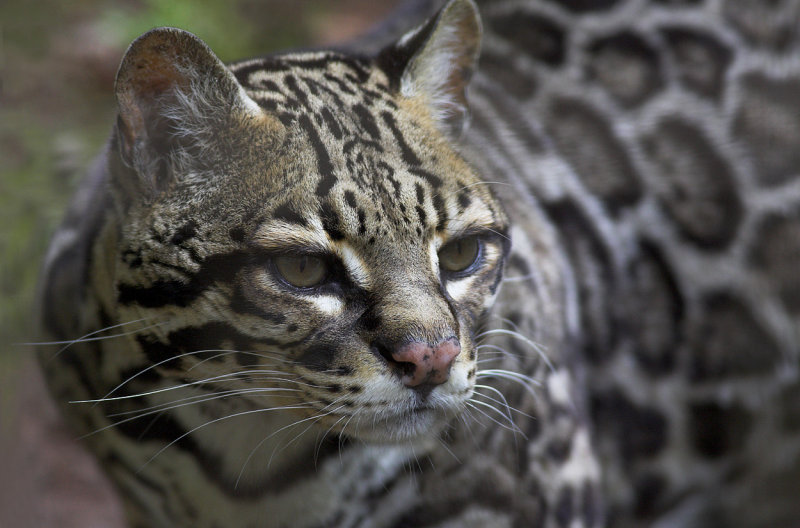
(354, 265)
(461, 287)
(558, 386)
(327, 303)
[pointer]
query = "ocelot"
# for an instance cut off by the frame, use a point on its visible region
(532, 263)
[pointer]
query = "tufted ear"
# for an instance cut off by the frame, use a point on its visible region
(436, 60)
(168, 85)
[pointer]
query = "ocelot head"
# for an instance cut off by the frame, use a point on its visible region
(300, 230)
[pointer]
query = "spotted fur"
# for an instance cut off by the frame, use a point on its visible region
(627, 334)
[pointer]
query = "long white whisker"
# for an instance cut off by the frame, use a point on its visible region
(216, 420)
(525, 381)
(88, 337)
(517, 335)
(513, 427)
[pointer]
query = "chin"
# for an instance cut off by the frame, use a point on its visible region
(407, 427)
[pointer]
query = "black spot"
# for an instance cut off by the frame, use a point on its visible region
(362, 222)
(186, 232)
(536, 36)
(370, 320)
(767, 124)
(132, 258)
(334, 388)
(503, 71)
(354, 389)
(291, 328)
(350, 198)
(286, 213)
(701, 60)
(582, 6)
(559, 450)
(317, 358)
(464, 200)
(658, 322)
(626, 66)
(640, 432)
(727, 341)
(586, 139)
(237, 234)
(716, 429)
(592, 508)
(648, 489)
(564, 509)
(697, 188)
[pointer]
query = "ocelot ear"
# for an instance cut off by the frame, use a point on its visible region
(435, 62)
(169, 87)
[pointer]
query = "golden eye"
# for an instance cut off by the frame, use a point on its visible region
(458, 255)
(301, 271)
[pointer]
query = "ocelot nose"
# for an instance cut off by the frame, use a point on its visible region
(421, 363)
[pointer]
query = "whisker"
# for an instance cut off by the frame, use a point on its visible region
(315, 419)
(216, 420)
(150, 367)
(271, 357)
(525, 381)
(501, 401)
(88, 337)
(517, 335)
(201, 398)
(513, 427)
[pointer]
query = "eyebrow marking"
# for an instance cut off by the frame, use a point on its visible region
(353, 264)
(280, 235)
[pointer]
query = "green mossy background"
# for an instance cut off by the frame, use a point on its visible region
(57, 65)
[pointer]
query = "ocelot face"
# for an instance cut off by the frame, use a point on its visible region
(308, 238)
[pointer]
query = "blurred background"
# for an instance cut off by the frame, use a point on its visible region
(57, 65)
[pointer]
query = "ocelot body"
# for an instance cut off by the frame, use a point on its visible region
(328, 288)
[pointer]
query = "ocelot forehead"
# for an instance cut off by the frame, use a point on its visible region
(366, 163)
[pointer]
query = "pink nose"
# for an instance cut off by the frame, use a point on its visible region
(431, 364)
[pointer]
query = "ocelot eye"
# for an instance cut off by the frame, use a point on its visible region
(301, 271)
(459, 255)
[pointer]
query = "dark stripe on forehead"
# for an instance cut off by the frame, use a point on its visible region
(367, 122)
(301, 95)
(330, 221)
(343, 86)
(432, 179)
(324, 166)
(281, 63)
(317, 88)
(331, 123)
(408, 155)
(287, 214)
(441, 212)
(420, 193)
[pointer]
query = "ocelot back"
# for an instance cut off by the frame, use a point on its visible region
(327, 288)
